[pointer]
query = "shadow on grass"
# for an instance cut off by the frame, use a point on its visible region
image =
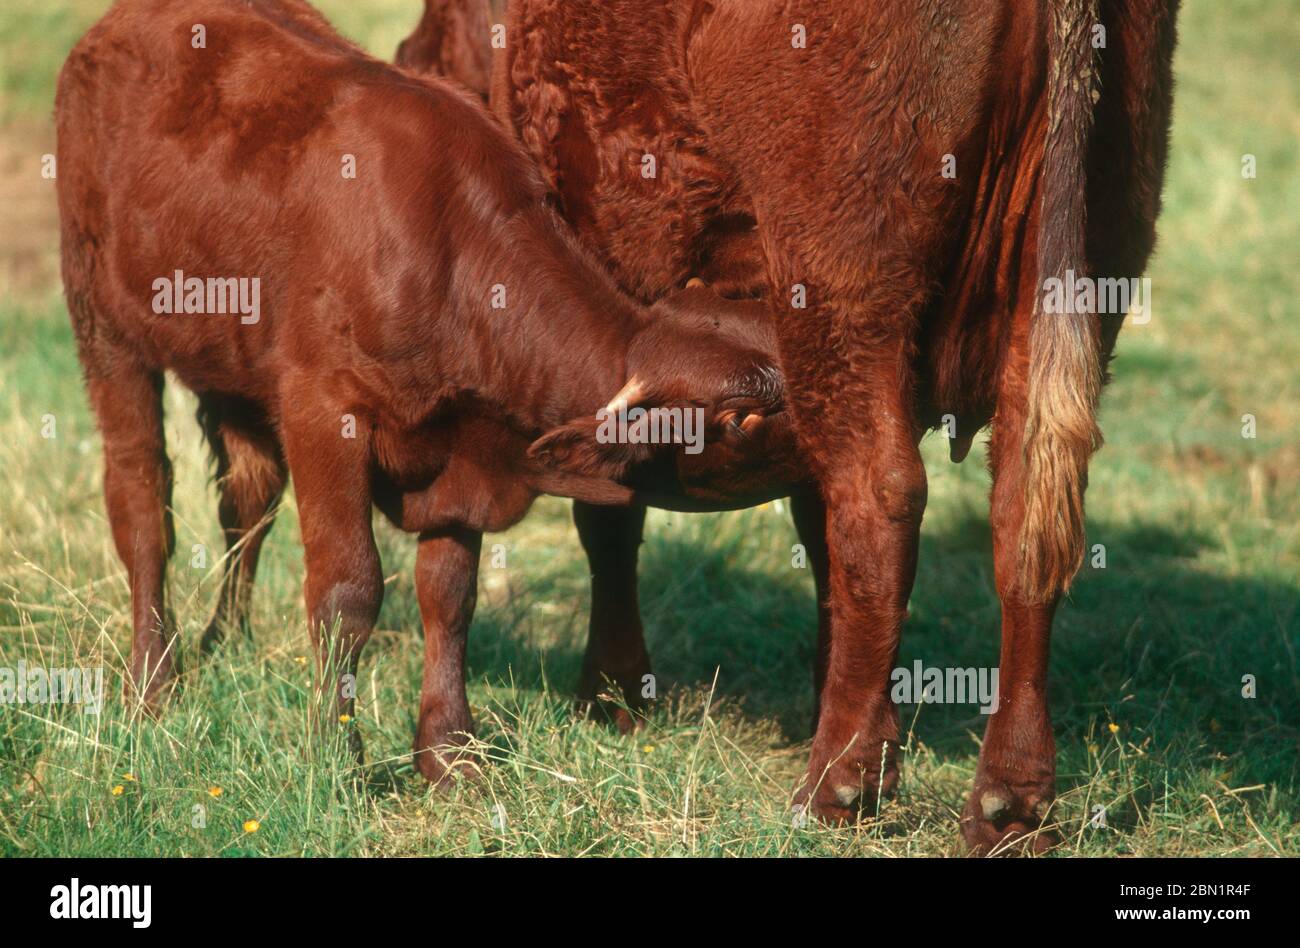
(1152, 643)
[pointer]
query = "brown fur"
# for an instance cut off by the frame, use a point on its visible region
(821, 167)
(226, 161)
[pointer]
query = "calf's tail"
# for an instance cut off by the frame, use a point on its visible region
(1065, 364)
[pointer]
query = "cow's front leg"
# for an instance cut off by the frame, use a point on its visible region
(616, 648)
(446, 580)
(1015, 780)
(874, 486)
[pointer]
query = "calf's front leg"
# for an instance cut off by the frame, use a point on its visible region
(345, 584)
(446, 579)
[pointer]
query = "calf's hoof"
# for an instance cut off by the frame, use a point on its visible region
(212, 637)
(1000, 820)
(149, 690)
(602, 710)
(336, 725)
(441, 756)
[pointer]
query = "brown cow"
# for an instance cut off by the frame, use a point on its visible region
(358, 273)
(903, 180)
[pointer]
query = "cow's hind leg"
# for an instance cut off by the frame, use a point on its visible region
(616, 648)
(127, 400)
(446, 578)
(1015, 779)
(875, 500)
(251, 477)
(856, 223)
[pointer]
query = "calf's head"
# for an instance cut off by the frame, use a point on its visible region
(701, 421)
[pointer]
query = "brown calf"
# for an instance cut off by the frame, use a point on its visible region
(900, 179)
(358, 273)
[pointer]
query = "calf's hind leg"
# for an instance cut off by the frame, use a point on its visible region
(127, 400)
(251, 478)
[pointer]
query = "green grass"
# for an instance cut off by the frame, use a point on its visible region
(1200, 586)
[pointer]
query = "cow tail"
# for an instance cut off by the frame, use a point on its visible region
(1065, 365)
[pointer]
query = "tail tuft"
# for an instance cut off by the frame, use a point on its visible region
(1065, 365)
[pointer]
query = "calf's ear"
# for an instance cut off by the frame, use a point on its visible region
(576, 448)
(570, 461)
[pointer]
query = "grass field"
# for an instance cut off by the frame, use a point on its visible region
(1201, 585)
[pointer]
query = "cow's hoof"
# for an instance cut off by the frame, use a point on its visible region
(999, 820)
(847, 791)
